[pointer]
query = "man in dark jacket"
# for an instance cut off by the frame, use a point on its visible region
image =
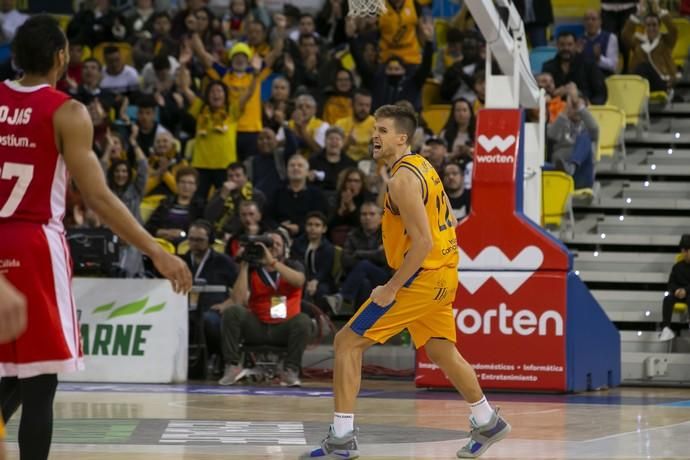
(363, 261)
(570, 66)
(678, 288)
(209, 268)
(537, 16)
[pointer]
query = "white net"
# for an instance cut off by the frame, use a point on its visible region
(366, 8)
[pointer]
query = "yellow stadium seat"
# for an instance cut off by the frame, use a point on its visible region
(680, 50)
(436, 116)
(183, 247)
(431, 93)
(630, 93)
(557, 191)
(347, 61)
(125, 51)
(440, 30)
(148, 205)
(166, 245)
(573, 8)
(611, 121)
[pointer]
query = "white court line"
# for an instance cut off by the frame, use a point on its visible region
(644, 430)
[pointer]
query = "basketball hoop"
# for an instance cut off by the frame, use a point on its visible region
(366, 8)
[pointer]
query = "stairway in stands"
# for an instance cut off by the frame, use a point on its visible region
(626, 241)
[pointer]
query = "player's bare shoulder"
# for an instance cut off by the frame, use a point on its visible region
(72, 121)
(405, 184)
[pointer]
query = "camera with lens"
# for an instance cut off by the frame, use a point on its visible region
(253, 252)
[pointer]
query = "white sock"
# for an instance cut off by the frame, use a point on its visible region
(343, 424)
(481, 411)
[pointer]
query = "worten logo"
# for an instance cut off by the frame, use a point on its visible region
(118, 339)
(496, 142)
(20, 116)
(491, 262)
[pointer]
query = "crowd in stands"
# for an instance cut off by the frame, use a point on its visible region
(229, 121)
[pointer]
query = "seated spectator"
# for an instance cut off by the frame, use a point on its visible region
(338, 102)
(163, 164)
(158, 75)
(10, 20)
(437, 153)
(359, 127)
(651, 51)
(90, 86)
(73, 75)
(572, 135)
(308, 128)
(118, 77)
(267, 169)
(267, 301)
(555, 104)
(351, 193)
(570, 66)
(316, 254)
(146, 123)
(140, 17)
(222, 208)
(479, 86)
(293, 200)
(209, 268)
(172, 217)
(363, 261)
(251, 223)
(678, 288)
(257, 37)
(306, 26)
(307, 68)
(330, 22)
(459, 130)
(599, 46)
(325, 167)
(96, 23)
(454, 185)
(448, 55)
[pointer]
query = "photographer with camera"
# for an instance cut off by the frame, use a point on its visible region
(267, 300)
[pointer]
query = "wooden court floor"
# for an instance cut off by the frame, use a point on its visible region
(205, 421)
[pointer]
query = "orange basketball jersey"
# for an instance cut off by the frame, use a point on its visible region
(396, 242)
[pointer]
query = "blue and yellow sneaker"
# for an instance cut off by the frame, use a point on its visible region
(482, 437)
(335, 448)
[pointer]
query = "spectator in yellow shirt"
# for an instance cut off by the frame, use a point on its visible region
(310, 130)
(398, 29)
(358, 127)
(339, 101)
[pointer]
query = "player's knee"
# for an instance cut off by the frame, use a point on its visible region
(345, 340)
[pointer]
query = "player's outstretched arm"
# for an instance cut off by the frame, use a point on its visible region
(74, 133)
(405, 191)
(12, 312)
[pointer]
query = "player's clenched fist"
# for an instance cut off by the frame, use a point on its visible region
(12, 311)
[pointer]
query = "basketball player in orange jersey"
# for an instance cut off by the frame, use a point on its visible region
(420, 245)
(12, 323)
(43, 135)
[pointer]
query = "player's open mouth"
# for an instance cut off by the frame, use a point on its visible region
(377, 146)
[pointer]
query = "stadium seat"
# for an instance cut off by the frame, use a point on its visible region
(183, 247)
(680, 307)
(431, 93)
(680, 50)
(440, 30)
(166, 245)
(5, 52)
(630, 93)
(148, 205)
(557, 191)
(611, 121)
(539, 55)
(125, 50)
(436, 116)
(573, 8)
(577, 28)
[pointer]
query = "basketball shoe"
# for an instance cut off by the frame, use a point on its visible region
(335, 448)
(482, 437)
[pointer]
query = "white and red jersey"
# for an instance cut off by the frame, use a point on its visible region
(33, 176)
(34, 255)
